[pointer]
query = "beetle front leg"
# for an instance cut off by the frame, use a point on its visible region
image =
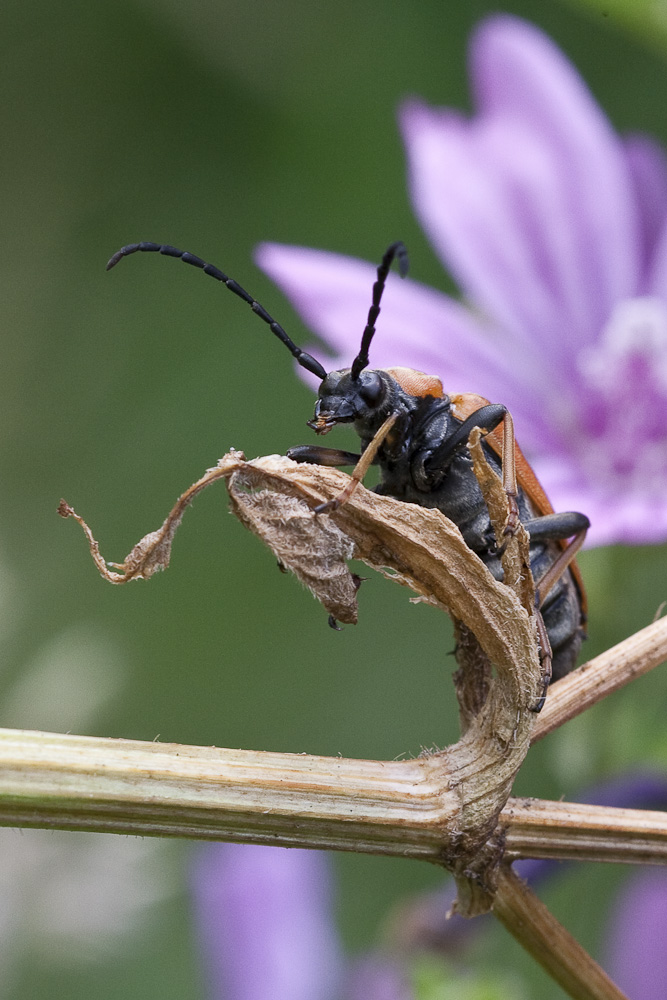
(314, 454)
(361, 468)
(486, 418)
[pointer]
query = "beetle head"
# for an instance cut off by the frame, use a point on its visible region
(344, 398)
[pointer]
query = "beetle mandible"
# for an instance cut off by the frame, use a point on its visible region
(418, 435)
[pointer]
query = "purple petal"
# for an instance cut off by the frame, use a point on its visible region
(648, 171)
(461, 182)
(657, 276)
(530, 203)
(265, 923)
(613, 452)
(637, 938)
(616, 517)
(519, 72)
(637, 790)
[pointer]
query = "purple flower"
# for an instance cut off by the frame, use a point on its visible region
(636, 943)
(556, 230)
(267, 931)
(265, 923)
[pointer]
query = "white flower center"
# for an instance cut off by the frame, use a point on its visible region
(623, 404)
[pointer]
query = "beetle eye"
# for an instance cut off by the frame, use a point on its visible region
(372, 388)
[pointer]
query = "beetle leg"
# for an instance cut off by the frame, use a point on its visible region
(553, 527)
(487, 419)
(556, 527)
(361, 468)
(558, 567)
(316, 455)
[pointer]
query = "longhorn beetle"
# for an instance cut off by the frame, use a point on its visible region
(418, 435)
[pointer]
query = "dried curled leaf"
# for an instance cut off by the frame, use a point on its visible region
(153, 552)
(313, 548)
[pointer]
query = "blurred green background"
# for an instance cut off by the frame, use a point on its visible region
(214, 126)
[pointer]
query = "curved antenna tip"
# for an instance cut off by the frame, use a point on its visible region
(396, 251)
(403, 260)
(305, 360)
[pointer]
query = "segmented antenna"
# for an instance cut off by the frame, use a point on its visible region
(305, 360)
(395, 250)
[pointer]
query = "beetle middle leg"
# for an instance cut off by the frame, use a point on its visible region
(487, 418)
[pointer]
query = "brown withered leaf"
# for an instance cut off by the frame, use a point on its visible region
(313, 548)
(153, 551)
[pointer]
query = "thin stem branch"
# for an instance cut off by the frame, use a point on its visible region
(536, 828)
(606, 673)
(529, 921)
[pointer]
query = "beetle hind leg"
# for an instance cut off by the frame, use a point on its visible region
(555, 527)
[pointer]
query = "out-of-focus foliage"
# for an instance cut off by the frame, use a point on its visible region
(646, 18)
(214, 127)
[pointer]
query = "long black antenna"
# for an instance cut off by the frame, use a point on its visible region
(305, 360)
(395, 250)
